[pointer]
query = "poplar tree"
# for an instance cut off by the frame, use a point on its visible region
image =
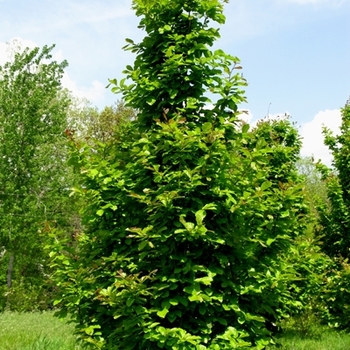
(32, 122)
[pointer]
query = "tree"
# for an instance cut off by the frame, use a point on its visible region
(90, 125)
(334, 221)
(315, 186)
(188, 215)
(33, 111)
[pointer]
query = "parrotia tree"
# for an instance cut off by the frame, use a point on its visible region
(187, 216)
(32, 121)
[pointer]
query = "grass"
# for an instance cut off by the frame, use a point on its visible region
(35, 331)
(327, 339)
(43, 331)
(309, 334)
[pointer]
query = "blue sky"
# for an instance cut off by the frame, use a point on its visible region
(295, 53)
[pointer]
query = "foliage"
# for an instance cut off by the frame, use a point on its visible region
(305, 255)
(189, 212)
(315, 186)
(285, 142)
(334, 222)
(311, 262)
(175, 67)
(28, 295)
(91, 126)
(200, 256)
(33, 183)
(336, 297)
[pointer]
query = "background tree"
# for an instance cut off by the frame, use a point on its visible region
(334, 220)
(90, 125)
(315, 186)
(33, 111)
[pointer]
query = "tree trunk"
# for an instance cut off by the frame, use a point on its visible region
(9, 271)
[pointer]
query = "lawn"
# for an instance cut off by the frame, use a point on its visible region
(307, 334)
(43, 331)
(326, 339)
(35, 331)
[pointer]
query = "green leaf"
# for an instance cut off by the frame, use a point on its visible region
(162, 313)
(205, 280)
(285, 214)
(241, 319)
(151, 101)
(171, 316)
(202, 309)
(142, 245)
(265, 185)
(206, 127)
(188, 225)
(210, 206)
(270, 241)
(200, 215)
(182, 300)
(222, 321)
(130, 301)
(245, 128)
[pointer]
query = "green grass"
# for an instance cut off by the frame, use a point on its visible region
(35, 331)
(43, 331)
(327, 340)
(308, 334)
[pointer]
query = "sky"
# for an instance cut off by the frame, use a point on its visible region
(295, 53)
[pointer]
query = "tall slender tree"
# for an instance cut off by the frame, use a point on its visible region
(33, 110)
(188, 214)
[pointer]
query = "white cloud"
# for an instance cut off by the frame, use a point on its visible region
(7, 48)
(94, 93)
(58, 56)
(313, 137)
